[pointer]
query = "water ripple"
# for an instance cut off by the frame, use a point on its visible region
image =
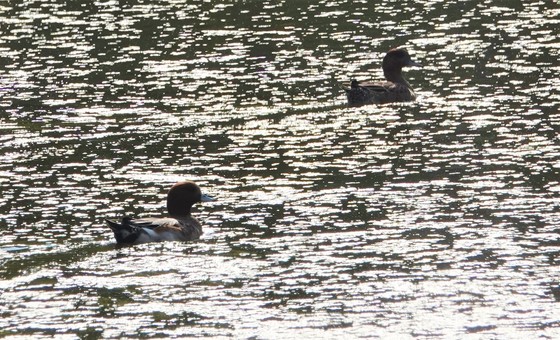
(428, 219)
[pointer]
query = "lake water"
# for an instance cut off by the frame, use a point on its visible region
(433, 219)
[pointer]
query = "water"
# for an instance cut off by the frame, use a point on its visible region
(433, 219)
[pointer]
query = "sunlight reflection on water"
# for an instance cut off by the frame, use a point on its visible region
(428, 219)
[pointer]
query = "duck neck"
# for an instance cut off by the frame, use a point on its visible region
(178, 210)
(395, 76)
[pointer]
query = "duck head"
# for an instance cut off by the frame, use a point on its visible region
(182, 196)
(394, 61)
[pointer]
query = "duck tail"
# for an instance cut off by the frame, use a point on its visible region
(348, 86)
(123, 231)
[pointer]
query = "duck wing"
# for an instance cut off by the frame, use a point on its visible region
(142, 230)
(374, 87)
(152, 223)
(377, 87)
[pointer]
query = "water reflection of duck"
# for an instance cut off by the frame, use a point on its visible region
(395, 89)
(180, 226)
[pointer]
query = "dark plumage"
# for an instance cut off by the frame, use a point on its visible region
(395, 89)
(180, 226)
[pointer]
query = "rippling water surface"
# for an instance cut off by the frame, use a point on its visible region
(433, 219)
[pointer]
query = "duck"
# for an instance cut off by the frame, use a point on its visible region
(178, 226)
(395, 89)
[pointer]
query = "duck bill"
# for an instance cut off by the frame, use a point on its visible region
(206, 198)
(413, 63)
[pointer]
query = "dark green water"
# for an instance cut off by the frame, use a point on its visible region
(432, 219)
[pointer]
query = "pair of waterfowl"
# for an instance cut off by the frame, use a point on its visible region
(181, 226)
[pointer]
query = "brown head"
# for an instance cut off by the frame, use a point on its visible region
(394, 61)
(182, 196)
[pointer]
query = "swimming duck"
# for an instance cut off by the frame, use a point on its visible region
(179, 226)
(395, 89)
